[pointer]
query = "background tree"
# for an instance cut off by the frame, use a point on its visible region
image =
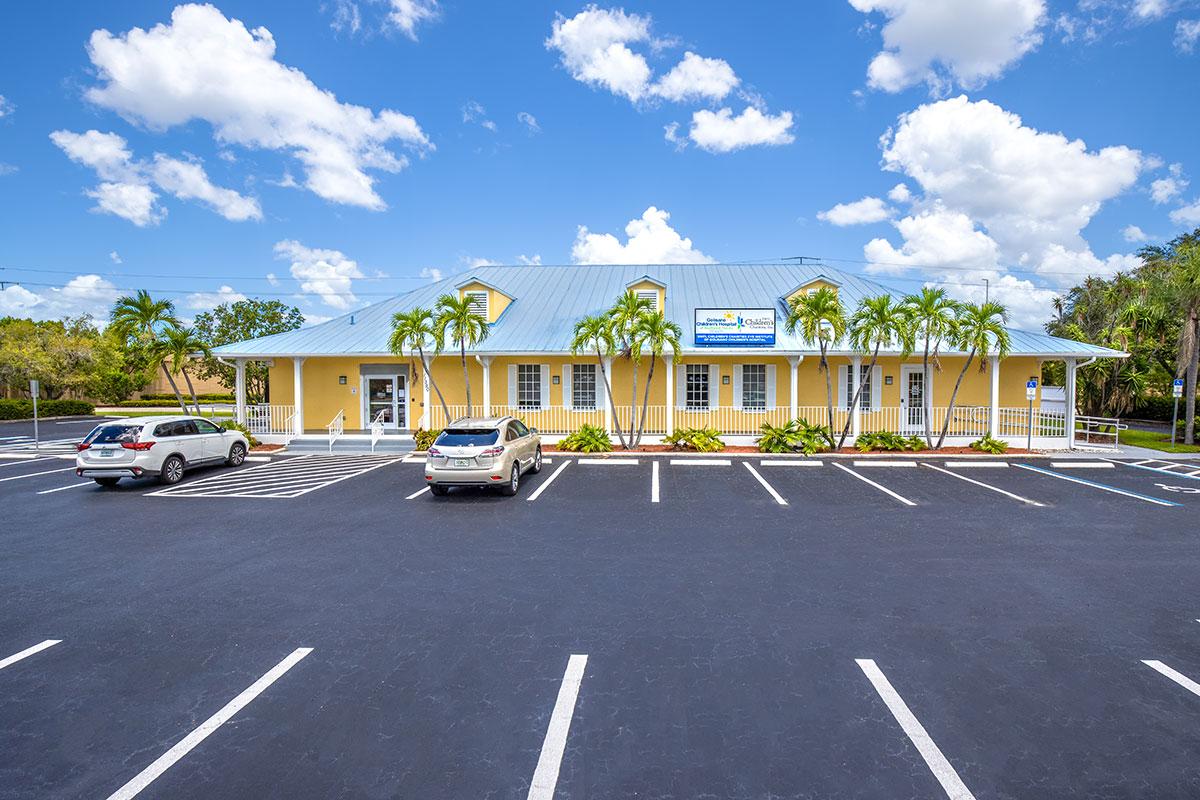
(977, 330)
(593, 334)
(464, 327)
(624, 319)
(877, 323)
(64, 356)
(1176, 278)
(179, 344)
(655, 333)
(821, 318)
(932, 315)
(237, 322)
(414, 330)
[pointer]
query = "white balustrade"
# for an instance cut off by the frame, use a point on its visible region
(271, 419)
(335, 428)
(377, 427)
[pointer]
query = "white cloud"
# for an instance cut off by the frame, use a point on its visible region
(1029, 306)
(1165, 189)
(203, 66)
(326, 273)
(126, 190)
(900, 193)
(721, 132)
(405, 15)
(697, 78)
(529, 121)
(346, 17)
(116, 259)
(1134, 234)
(592, 47)
(942, 43)
(433, 273)
(1187, 215)
(7, 169)
(531, 261)
(5, 106)
(472, 111)
(271, 279)
(651, 241)
(83, 294)
(861, 212)
(315, 319)
(472, 263)
(934, 238)
(1151, 9)
(1187, 31)
(671, 134)
(206, 301)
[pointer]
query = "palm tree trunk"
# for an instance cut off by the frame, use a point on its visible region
(466, 380)
(1189, 405)
(178, 396)
(854, 402)
(828, 389)
(611, 402)
(925, 402)
(645, 401)
(188, 378)
(950, 408)
(433, 383)
(633, 403)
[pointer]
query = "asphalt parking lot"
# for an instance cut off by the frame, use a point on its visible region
(724, 627)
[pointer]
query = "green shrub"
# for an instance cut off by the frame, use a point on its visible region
(892, 442)
(795, 435)
(915, 443)
(23, 409)
(588, 439)
(203, 398)
(425, 438)
(702, 440)
(153, 403)
(233, 426)
(989, 445)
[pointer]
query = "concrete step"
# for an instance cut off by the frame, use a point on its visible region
(356, 445)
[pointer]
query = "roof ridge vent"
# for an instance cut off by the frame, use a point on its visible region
(351, 319)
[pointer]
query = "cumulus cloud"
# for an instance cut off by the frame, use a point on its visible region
(861, 212)
(83, 294)
(126, 183)
(433, 273)
(697, 78)
(650, 241)
(1187, 215)
(1151, 9)
(593, 47)
(721, 132)
(529, 121)
(1187, 31)
(405, 15)
(203, 66)
(946, 43)
(325, 273)
(346, 17)
(532, 261)
(1134, 234)
(116, 259)
(1166, 189)
(206, 301)
(900, 193)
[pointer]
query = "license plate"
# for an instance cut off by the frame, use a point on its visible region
(106, 453)
(462, 462)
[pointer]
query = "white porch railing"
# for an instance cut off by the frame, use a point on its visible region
(271, 419)
(1014, 422)
(377, 428)
(335, 427)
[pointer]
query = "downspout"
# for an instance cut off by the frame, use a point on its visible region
(1070, 420)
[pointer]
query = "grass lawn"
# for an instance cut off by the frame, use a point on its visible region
(136, 413)
(1157, 441)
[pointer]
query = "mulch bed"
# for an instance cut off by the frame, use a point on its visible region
(267, 448)
(666, 448)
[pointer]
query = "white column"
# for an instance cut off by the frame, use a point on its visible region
(608, 406)
(298, 365)
(426, 410)
(239, 391)
(855, 381)
(994, 397)
(486, 363)
(670, 359)
(1070, 392)
(794, 398)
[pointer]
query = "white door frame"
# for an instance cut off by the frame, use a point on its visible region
(907, 427)
(399, 399)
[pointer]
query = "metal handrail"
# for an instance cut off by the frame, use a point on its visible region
(1094, 426)
(335, 428)
(288, 425)
(377, 428)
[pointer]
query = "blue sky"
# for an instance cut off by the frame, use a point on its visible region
(334, 152)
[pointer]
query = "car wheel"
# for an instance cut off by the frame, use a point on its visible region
(172, 470)
(438, 491)
(514, 480)
(107, 483)
(537, 462)
(237, 454)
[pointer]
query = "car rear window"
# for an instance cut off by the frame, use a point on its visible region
(113, 434)
(460, 437)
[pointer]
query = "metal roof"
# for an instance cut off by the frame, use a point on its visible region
(551, 299)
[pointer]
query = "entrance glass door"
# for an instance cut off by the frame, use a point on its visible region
(386, 394)
(913, 395)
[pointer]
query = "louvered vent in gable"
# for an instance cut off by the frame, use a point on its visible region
(479, 303)
(650, 295)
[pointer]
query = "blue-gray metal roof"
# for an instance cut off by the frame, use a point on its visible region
(551, 299)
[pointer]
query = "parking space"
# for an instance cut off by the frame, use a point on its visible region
(285, 477)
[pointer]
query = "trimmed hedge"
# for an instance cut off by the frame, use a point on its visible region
(203, 398)
(23, 409)
(1158, 408)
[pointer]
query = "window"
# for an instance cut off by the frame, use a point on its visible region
(479, 303)
(754, 386)
(864, 401)
(464, 437)
(521, 429)
(651, 295)
(529, 386)
(115, 434)
(697, 387)
(583, 387)
(204, 426)
(513, 432)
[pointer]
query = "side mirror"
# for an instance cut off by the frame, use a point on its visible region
(532, 429)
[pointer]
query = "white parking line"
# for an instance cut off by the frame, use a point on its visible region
(654, 481)
(765, 485)
(885, 463)
(68, 486)
(538, 492)
(1168, 470)
(414, 459)
(618, 460)
(1112, 489)
(35, 474)
(1081, 464)
(258, 458)
(779, 462)
(884, 489)
(545, 776)
(701, 462)
(1179, 678)
(26, 460)
(963, 464)
(164, 762)
(945, 774)
(28, 651)
(417, 494)
(987, 486)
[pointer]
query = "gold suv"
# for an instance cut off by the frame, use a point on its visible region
(487, 451)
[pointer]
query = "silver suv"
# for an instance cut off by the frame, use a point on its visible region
(163, 446)
(491, 451)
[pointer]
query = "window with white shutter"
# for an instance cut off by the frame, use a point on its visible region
(864, 400)
(697, 387)
(754, 386)
(479, 303)
(529, 386)
(583, 387)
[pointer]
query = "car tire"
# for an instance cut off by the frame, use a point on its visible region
(237, 454)
(514, 480)
(438, 491)
(107, 483)
(172, 470)
(537, 462)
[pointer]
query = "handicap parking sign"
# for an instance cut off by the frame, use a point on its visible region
(1030, 389)
(1177, 388)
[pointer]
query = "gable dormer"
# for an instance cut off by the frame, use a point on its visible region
(486, 300)
(811, 285)
(651, 289)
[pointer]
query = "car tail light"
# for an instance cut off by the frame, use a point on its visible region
(137, 445)
(493, 451)
(433, 451)
(81, 447)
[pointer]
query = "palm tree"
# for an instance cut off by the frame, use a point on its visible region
(654, 332)
(142, 315)
(932, 313)
(625, 317)
(413, 330)
(179, 344)
(876, 323)
(465, 328)
(977, 329)
(820, 317)
(594, 334)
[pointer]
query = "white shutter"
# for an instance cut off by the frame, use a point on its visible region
(843, 375)
(876, 388)
(680, 385)
(544, 376)
(770, 387)
(568, 388)
(714, 386)
(737, 385)
(512, 388)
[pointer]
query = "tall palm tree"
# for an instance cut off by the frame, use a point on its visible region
(179, 344)
(654, 333)
(821, 318)
(594, 335)
(625, 317)
(142, 315)
(464, 327)
(876, 323)
(932, 312)
(978, 330)
(414, 330)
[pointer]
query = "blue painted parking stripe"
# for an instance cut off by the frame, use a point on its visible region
(1156, 469)
(1112, 489)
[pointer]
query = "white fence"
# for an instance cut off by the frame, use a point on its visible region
(271, 419)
